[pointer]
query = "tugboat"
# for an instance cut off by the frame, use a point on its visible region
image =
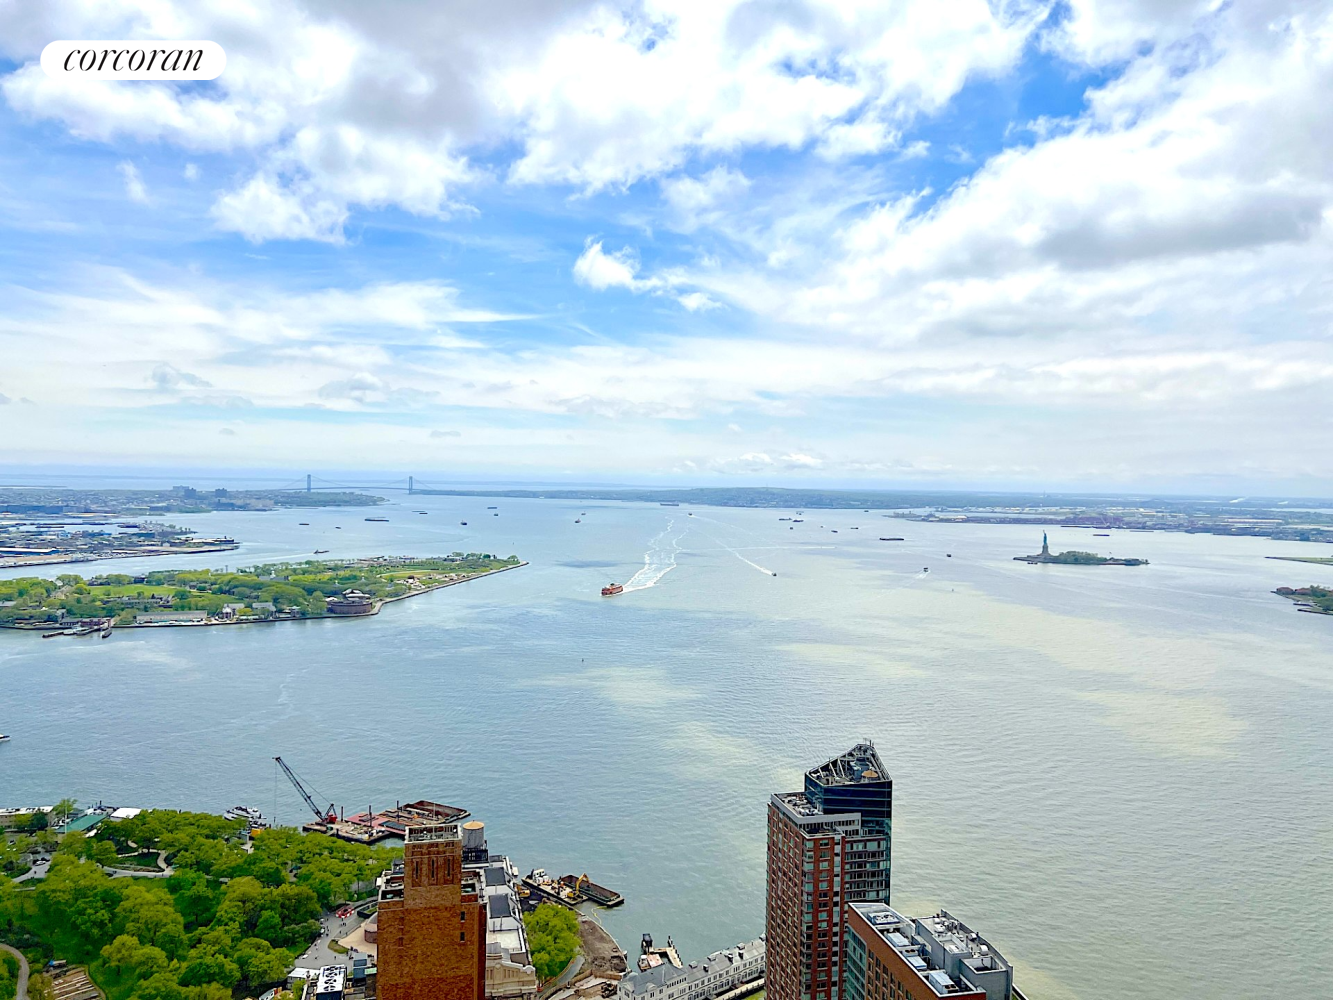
(320, 552)
(463, 523)
(578, 520)
(612, 589)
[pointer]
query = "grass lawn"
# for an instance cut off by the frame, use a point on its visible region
(131, 590)
(146, 859)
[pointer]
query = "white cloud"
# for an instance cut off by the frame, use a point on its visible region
(265, 209)
(697, 302)
(134, 187)
(703, 200)
(168, 377)
(356, 105)
(191, 172)
(600, 270)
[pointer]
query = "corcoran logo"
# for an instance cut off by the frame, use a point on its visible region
(138, 60)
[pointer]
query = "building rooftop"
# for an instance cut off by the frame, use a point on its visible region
(432, 832)
(332, 979)
(812, 818)
(665, 974)
(859, 765)
(945, 953)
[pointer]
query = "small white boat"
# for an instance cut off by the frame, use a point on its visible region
(3, 737)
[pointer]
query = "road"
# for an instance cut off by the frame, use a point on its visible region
(22, 993)
(36, 871)
(40, 869)
(331, 929)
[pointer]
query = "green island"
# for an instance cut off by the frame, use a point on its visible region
(271, 592)
(1074, 557)
(227, 921)
(1316, 600)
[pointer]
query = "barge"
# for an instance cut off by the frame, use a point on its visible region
(569, 890)
(583, 886)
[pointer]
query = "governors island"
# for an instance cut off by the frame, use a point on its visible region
(342, 588)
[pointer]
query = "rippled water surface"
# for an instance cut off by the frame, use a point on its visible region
(1108, 771)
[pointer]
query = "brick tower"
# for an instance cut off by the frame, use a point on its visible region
(432, 922)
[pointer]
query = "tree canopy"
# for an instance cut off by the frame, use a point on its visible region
(553, 938)
(227, 918)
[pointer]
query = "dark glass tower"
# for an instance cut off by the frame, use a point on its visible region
(828, 845)
(856, 782)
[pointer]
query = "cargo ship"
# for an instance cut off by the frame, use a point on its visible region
(612, 589)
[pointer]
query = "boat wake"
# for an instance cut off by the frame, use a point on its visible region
(762, 569)
(658, 561)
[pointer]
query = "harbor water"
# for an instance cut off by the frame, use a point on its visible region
(1108, 771)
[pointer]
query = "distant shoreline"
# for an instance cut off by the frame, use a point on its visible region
(211, 622)
(149, 552)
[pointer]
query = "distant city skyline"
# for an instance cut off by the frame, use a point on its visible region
(1082, 244)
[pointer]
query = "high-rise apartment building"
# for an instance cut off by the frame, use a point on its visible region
(827, 845)
(432, 921)
(891, 957)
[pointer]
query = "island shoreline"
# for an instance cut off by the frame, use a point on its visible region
(209, 623)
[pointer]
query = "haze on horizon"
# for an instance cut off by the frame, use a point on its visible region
(1076, 245)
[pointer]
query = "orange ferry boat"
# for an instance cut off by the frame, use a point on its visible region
(611, 590)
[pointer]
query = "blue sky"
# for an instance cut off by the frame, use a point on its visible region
(1018, 244)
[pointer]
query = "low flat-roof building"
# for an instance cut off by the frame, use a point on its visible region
(888, 956)
(18, 816)
(329, 984)
(164, 617)
(719, 972)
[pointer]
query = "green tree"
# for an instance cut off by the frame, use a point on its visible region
(553, 938)
(63, 810)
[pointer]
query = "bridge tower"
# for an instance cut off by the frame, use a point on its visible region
(409, 484)
(307, 482)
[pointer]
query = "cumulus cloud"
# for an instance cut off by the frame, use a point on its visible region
(191, 172)
(697, 302)
(167, 378)
(355, 105)
(696, 201)
(600, 270)
(134, 186)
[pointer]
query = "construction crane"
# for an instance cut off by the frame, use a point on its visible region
(330, 817)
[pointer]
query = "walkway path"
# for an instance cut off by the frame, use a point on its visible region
(22, 993)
